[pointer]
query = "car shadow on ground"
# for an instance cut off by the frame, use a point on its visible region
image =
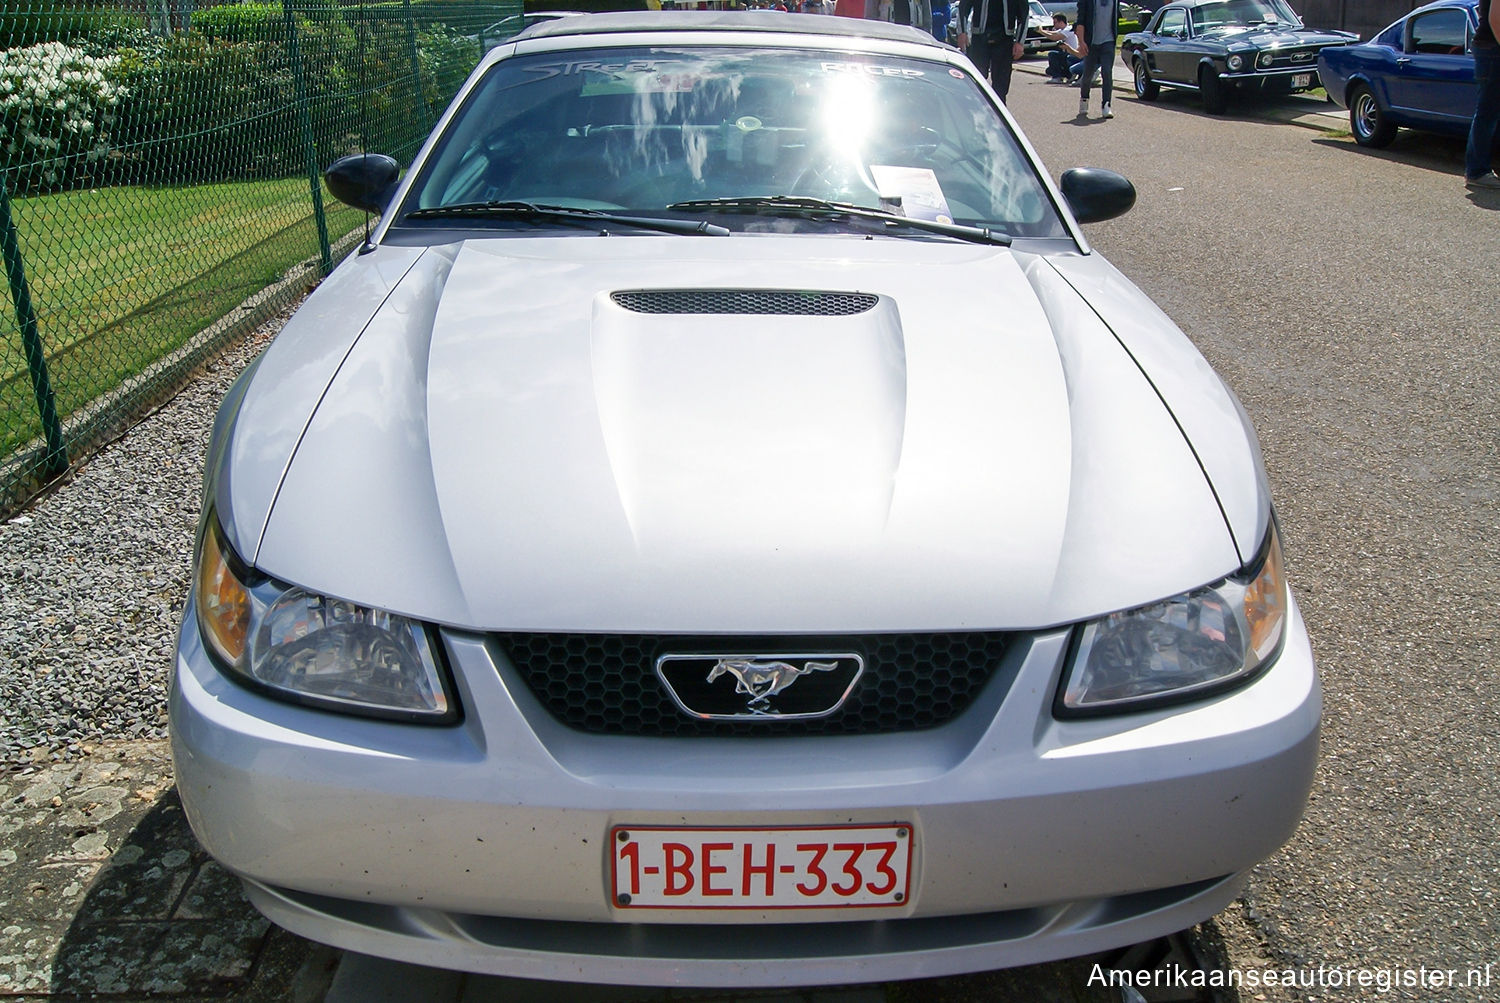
(1428, 152)
(1271, 109)
(159, 920)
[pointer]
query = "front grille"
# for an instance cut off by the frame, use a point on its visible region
(1301, 59)
(607, 683)
(746, 301)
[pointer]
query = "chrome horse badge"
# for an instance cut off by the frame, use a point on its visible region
(762, 680)
(698, 685)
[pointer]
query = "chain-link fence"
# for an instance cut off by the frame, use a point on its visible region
(159, 184)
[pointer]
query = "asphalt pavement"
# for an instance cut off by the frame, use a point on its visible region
(1350, 299)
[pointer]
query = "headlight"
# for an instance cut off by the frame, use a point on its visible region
(1235, 62)
(310, 649)
(1183, 647)
(1264, 59)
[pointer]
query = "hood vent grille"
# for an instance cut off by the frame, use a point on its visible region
(784, 302)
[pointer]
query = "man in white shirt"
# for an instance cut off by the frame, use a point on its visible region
(1061, 59)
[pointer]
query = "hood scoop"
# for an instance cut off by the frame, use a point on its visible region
(784, 433)
(780, 302)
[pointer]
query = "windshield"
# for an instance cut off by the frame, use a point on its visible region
(638, 129)
(1240, 13)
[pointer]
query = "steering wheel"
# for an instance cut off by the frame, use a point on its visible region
(830, 175)
(923, 145)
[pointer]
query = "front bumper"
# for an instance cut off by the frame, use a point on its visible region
(1271, 74)
(482, 846)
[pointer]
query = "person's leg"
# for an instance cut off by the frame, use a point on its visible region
(1001, 63)
(1090, 64)
(1107, 68)
(1057, 64)
(979, 54)
(1479, 155)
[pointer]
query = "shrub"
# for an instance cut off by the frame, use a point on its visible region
(38, 21)
(241, 21)
(217, 108)
(57, 107)
(220, 102)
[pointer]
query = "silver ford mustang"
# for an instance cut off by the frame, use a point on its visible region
(726, 494)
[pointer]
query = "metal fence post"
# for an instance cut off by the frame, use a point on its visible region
(416, 65)
(310, 151)
(56, 462)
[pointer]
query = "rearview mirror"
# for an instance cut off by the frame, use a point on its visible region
(364, 180)
(1095, 194)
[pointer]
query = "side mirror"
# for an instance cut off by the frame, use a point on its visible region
(1095, 194)
(364, 180)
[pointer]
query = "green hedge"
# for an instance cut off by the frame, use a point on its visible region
(221, 102)
(64, 24)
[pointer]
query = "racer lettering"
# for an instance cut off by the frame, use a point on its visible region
(871, 70)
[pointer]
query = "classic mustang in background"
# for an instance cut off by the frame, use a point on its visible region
(728, 527)
(1418, 73)
(1217, 47)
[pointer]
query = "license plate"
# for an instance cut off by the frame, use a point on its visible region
(1302, 80)
(839, 867)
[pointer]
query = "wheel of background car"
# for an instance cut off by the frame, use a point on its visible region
(1145, 88)
(1214, 91)
(1367, 120)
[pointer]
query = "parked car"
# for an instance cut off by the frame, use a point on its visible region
(1036, 20)
(1069, 9)
(1417, 73)
(1218, 47)
(727, 526)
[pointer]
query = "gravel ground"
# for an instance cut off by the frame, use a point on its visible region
(92, 578)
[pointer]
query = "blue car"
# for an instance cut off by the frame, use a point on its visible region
(1418, 73)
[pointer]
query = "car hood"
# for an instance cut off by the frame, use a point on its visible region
(506, 444)
(1276, 37)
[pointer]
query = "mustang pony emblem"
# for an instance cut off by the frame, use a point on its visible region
(762, 680)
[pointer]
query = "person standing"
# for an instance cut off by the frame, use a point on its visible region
(940, 20)
(997, 27)
(1098, 26)
(1479, 157)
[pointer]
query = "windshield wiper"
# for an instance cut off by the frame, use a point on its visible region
(532, 212)
(811, 208)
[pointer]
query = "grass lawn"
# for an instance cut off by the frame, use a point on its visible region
(121, 276)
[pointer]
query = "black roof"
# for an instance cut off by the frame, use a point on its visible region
(711, 20)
